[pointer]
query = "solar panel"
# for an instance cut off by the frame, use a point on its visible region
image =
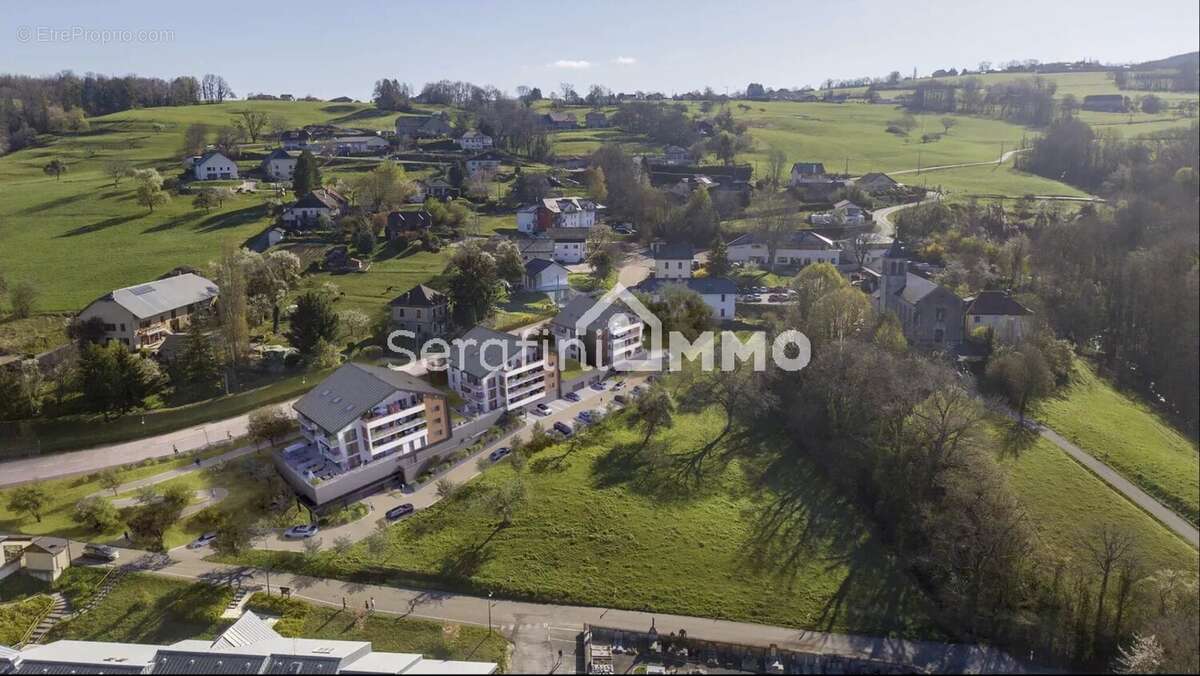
(142, 290)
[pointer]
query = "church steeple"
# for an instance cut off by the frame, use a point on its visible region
(894, 272)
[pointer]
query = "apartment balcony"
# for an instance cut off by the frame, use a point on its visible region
(529, 366)
(517, 383)
(526, 399)
(397, 427)
(374, 418)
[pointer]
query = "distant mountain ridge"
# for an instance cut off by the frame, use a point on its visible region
(1188, 60)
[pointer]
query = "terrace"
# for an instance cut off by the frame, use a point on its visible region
(307, 462)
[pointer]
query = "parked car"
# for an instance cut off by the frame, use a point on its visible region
(101, 552)
(637, 390)
(399, 511)
(301, 532)
(543, 408)
(571, 396)
(499, 453)
(620, 399)
(753, 298)
(564, 428)
(584, 417)
(618, 385)
(598, 386)
(778, 298)
(203, 541)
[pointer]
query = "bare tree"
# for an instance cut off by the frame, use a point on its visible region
(776, 165)
(1108, 551)
(252, 122)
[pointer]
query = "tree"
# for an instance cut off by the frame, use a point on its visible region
(682, 310)
(149, 191)
(838, 316)
(110, 480)
(1143, 655)
(22, 297)
(813, 283)
(530, 187)
(947, 123)
(117, 169)
(195, 139)
(383, 187)
(776, 167)
(655, 410)
(724, 146)
(504, 500)
(114, 380)
(444, 488)
(96, 514)
(718, 258)
(889, 335)
(270, 425)
(307, 175)
(354, 323)
(229, 272)
(474, 286)
(313, 321)
(29, 499)
(234, 535)
(773, 225)
(597, 186)
(55, 168)
(508, 262)
(1108, 551)
(204, 200)
(1152, 104)
(1022, 375)
(252, 122)
(602, 252)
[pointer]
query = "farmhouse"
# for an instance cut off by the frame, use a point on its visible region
(307, 211)
(142, 316)
(546, 276)
(560, 120)
(423, 126)
(214, 166)
(493, 371)
(1009, 321)
(612, 333)
(295, 139)
(672, 261)
(876, 182)
(438, 188)
(475, 140)
(400, 222)
(487, 162)
(848, 212)
(369, 144)
(930, 314)
(423, 311)
(248, 646)
(676, 155)
(718, 293)
(797, 249)
(595, 119)
(1105, 103)
(568, 212)
(807, 172)
(280, 164)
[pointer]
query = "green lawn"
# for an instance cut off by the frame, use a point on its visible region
(523, 308)
(371, 291)
(1126, 435)
(1068, 505)
(18, 617)
(387, 633)
(593, 531)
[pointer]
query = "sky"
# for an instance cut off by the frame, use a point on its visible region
(330, 49)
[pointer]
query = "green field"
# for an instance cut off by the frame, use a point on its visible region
(1078, 84)
(1126, 435)
(594, 530)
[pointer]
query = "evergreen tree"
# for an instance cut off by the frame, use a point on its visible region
(313, 321)
(718, 259)
(307, 175)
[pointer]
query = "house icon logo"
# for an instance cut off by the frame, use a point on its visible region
(617, 320)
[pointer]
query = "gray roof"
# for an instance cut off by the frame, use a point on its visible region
(705, 286)
(676, 251)
(163, 295)
(247, 630)
(50, 545)
(808, 168)
(578, 306)
(188, 662)
(419, 296)
(91, 657)
(799, 239)
(537, 265)
(995, 303)
(351, 390)
(916, 287)
(470, 359)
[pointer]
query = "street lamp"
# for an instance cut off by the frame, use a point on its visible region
(489, 604)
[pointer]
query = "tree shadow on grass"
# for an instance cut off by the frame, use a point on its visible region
(1015, 440)
(803, 519)
(101, 225)
(52, 204)
(465, 560)
(646, 471)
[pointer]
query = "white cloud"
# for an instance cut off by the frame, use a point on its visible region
(624, 60)
(571, 65)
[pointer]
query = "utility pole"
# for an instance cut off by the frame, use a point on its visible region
(1001, 153)
(847, 170)
(918, 162)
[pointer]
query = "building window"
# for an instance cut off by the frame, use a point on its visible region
(940, 314)
(977, 318)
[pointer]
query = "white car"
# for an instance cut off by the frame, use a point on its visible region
(301, 532)
(203, 541)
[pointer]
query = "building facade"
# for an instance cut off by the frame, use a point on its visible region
(141, 317)
(492, 371)
(423, 311)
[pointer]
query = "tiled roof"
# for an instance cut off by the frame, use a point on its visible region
(419, 296)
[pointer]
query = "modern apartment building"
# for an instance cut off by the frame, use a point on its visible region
(610, 334)
(493, 371)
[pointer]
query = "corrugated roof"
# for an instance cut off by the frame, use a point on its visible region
(172, 662)
(351, 390)
(163, 295)
(248, 629)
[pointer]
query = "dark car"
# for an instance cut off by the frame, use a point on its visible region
(399, 511)
(620, 399)
(598, 386)
(571, 396)
(563, 428)
(778, 298)
(499, 453)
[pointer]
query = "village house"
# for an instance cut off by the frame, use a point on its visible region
(527, 218)
(611, 334)
(875, 182)
(249, 646)
(869, 247)
(41, 557)
(295, 139)
(560, 120)
(438, 188)
(570, 245)
(539, 246)
(141, 317)
(568, 212)
(423, 311)
(423, 126)
(367, 144)
(849, 213)
(307, 211)
(1009, 321)
(672, 261)
(807, 172)
(280, 164)
(595, 119)
(547, 277)
(930, 315)
(718, 293)
(212, 166)
(485, 163)
(493, 371)
(400, 222)
(676, 155)
(475, 140)
(796, 250)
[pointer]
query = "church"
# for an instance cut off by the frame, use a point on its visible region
(930, 314)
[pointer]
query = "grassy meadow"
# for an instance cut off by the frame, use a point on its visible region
(594, 529)
(1129, 437)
